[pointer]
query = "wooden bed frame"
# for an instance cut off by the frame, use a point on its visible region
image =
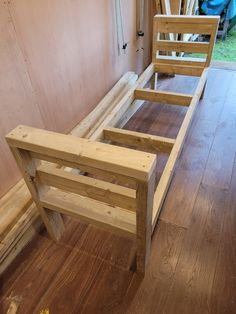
(130, 204)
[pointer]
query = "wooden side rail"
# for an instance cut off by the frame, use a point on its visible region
(110, 205)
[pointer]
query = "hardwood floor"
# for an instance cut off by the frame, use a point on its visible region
(193, 259)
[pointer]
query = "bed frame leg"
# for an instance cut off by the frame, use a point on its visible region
(145, 195)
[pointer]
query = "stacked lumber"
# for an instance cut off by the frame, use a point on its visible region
(176, 7)
(19, 219)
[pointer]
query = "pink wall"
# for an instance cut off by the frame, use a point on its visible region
(58, 59)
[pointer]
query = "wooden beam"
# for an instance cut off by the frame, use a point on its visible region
(181, 19)
(52, 220)
(163, 97)
(184, 28)
(112, 218)
(145, 193)
(178, 69)
(112, 194)
(200, 62)
(175, 7)
(139, 140)
(212, 40)
(168, 172)
(182, 46)
(78, 151)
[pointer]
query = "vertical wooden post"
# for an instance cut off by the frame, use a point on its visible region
(212, 42)
(145, 194)
(153, 81)
(52, 220)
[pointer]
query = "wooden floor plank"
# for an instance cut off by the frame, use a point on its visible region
(192, 268)
(111, 249)
(217, 87)
(71, 284)
(166, 247)
(45, 260)
(188, 175)
(107, 291)
(220, 162)
(223, 297)
(194, 274)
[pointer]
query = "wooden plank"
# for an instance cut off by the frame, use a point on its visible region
(19, 237)
(133, 108)
(182, 46)
(195, 20)
(70, 166)
(185, 6)
(163, 97)
(224, 280)
(30, 217)
(145, 192)
(140, 140)
(13, 205)
(112, 218)
(154, 289)
(168, 172)
(200, 249)
(178, 69)
(82, 151)
(112, 194)
(52, 220)
(186, 27)
(39, 263)
(212, 40)
(116, 114)
(189, 173)
(180, 60)
(158, 6)
(175, 6)
(165, 7)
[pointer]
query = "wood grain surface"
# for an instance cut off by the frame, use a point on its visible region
(192, 265)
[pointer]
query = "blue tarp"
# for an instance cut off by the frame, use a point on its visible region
(216, 7)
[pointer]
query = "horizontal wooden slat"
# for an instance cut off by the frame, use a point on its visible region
(181, 46)
(139, 140)
(178, 69)
(109, 193)
(163, 97)
(82, 151)
(112, 218)
(179, 19)
(184, 28)
(106, 175)
(180, 60)
(185, 24)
